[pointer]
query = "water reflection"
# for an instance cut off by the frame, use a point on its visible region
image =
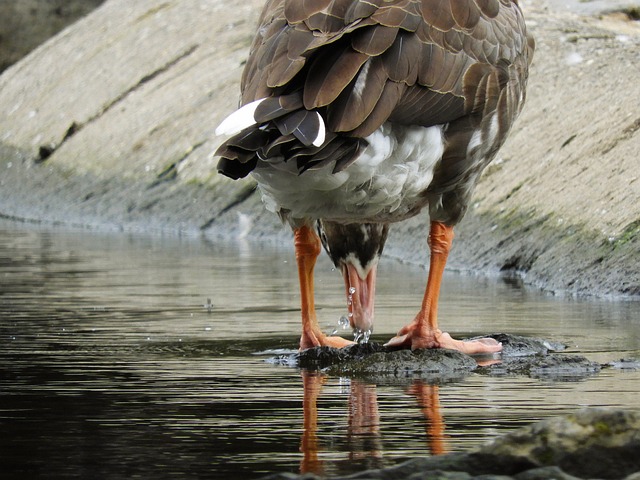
(429, 399)
(114, 363)
(363, 434)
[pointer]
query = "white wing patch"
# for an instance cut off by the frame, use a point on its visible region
(244, 117)
(240, 119)
(322, 130)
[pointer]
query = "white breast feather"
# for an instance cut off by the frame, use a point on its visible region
(384, 184)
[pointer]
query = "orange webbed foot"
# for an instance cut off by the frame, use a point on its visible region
(310, 341)
(410, 337)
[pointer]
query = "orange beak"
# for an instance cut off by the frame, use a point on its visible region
(361, 293)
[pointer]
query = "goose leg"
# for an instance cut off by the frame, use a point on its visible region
(423, 332)
(307, 247)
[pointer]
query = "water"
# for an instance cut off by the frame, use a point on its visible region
(126, 356)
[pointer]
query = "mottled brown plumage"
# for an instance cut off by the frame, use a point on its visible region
(362, 63)
(366, 68)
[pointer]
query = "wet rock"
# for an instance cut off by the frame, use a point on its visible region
(519, 346)
(376, 363)
(436, 365)
(545, 473)
(319, 358)
(536, 358)
(591, 443)
(533, 357)
(626, 364)
(552, 367)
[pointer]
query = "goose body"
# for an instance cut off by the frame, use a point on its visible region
(360, 113)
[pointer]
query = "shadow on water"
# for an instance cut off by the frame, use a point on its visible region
(137, 356)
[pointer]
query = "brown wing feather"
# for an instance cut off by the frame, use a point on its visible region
(351, 108)
(489, 8)
(301, 10)
(403, 14)
(465, 13)
(374, 40)
(401, 61)
(437, 14)
(330, 73)
(384, 107)
(361, 9)
(421, 106)
(363, 62)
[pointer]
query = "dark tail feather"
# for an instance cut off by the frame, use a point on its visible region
(284, 130)
(236, 170)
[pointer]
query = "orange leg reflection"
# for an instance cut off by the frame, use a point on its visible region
(364, 422)
(363, 431)
(429, 399)
(312, 384)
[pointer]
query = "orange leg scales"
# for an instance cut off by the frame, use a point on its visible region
(423, 332)
(307, 248)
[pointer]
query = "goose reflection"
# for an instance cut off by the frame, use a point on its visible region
(363, 435)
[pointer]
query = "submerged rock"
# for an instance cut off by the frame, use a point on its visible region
(626, 364)
(591, 443)
(436, 365)
(520, 346)
(550, 367)
(375, 362)
(533, 357)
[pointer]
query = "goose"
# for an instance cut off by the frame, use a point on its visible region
(356, 114)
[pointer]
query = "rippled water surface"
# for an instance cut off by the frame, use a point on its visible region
(126, 356)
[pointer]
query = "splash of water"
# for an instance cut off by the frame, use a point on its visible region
(361, 336)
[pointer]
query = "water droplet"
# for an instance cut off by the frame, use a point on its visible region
(343, 324)
(208, 305)
(361, 336)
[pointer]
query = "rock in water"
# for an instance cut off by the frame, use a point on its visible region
(532, 357)
(591, 443)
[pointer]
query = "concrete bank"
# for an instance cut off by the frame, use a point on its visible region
(25, 24)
